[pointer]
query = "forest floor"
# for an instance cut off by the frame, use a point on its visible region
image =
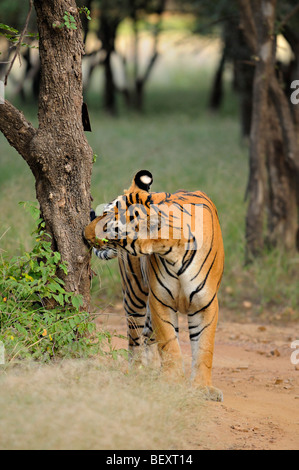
(253, 368)
(100, 403)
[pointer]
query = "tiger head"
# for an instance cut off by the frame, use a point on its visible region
(122, 221)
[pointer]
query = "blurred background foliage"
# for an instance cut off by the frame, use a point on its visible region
(168, 85)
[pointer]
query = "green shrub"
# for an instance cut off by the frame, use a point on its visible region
(29, 327)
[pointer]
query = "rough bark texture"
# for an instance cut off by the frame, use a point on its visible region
(274, 150)
(58, 152)
(282, 204)
(257, 178)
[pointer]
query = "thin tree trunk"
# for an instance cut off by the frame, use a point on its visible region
(107, 35)
(216, 94)
(110, 89)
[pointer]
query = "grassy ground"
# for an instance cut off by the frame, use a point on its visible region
(93, 405)
(184, 146)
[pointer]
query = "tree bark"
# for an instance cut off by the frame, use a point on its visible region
(282, 204)
(274, 150)
(259, 127)
(107, 35)
(216, 94)
(58, 153)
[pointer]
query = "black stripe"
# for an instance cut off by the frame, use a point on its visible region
(133, 245)
(135, 276)
(166, 253)
(134, 326)
(159, 280)
(211, 246)
(203, 308)
(202, 284)
(157, 264)
(131, 312)
(148, 201)
(135, 340)
(165, 305)
(186, 263)
(127, 292)
(195, 335)
(166, 269)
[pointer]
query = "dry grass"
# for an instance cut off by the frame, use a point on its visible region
(94, 405)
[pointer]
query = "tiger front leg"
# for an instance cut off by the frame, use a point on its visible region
(135, 301)
(164, 323)
(202, 327)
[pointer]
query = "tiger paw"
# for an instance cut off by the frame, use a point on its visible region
(211, 393)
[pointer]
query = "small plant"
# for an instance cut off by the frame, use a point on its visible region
(38, 317)
(86, 12)
(13, 35)
(69, 21)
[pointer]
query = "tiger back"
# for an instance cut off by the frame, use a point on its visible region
(171, 260)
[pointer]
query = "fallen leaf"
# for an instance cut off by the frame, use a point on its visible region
(278, 381)
(262, 328)
(275, 352)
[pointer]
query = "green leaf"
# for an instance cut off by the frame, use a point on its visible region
(91, 327)
(8, 28)
(69, 21)
(57, 257)
(59, 298)
(77, 301)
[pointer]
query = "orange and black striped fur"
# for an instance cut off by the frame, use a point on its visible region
(168, 264)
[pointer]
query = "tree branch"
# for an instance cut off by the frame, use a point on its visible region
(248, 24)
(287, 18)
(286, 122)
(17, 130)
(18, 47)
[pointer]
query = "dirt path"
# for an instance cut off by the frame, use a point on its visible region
(252, 366)
(261, 389)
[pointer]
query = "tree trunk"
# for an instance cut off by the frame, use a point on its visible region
(237, 51)
(107, 35)
(259, 129)
(274, 152)
(216, 94)
(58, 152)
(110, 90)
(282, 203)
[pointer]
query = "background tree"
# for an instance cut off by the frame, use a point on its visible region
(110, 14)
(274, 153)
(57, 152)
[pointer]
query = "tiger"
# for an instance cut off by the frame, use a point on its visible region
(171, 260)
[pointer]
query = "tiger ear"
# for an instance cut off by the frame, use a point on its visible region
(142, 181)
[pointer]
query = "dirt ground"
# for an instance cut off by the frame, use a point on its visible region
(252, 366)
